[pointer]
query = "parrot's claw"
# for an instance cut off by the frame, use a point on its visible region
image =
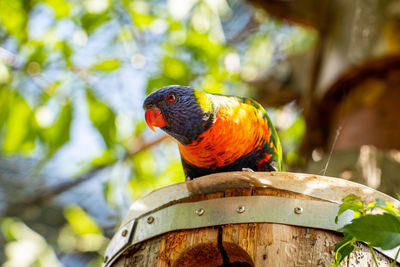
(247, 170)
(272, 167)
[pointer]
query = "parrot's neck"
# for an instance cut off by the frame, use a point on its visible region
(238, 130)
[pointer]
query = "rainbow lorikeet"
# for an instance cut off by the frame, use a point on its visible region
(215, 133)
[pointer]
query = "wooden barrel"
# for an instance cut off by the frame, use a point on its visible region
(241, 219)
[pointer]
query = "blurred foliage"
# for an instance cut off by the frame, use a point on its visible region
(102, 117)
(25, 247)
(73, 75)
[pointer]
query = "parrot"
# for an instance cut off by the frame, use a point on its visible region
(215, 132)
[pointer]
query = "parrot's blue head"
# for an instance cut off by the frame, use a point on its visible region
(181, 111)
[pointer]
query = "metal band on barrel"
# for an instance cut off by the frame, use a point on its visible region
(230, 210)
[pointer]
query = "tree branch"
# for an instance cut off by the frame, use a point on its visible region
(137, 148)
(48, 193)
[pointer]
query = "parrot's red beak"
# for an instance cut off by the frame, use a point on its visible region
(155, 118)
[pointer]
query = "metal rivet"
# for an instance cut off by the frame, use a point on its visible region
(200, 211)
(124, 233)
(240, 209)
(105, 259)
(298, 210)
(150, 219)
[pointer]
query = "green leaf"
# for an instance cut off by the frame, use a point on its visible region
(59, 133)
(343, 248)
(14, 18)
(90, 22)
(386, 206)
(142, 21)
(351, 198)
(172, 174)
(50, 91)
(140, 13)
(80, 221)
(66, 50)
(144, 168)
(107, 65)
(144, 164)
(5, 104)
(102, 117)
(61, 7)
(6, 225)
(108, 190)
(292, 137)
(174, 71)
(20, 132)
(107, 158)
(157, 83)
(203, 48)
(174, 68)
(297, 130)
(378, 230)
(39, 54)
(140, 127)
(351, 202)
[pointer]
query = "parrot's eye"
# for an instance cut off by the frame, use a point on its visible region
(171, 98)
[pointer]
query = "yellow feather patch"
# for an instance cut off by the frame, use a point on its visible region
(203, 100)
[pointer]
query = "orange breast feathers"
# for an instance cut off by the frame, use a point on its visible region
(238, 130)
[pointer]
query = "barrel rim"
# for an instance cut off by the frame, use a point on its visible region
(322, 187)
